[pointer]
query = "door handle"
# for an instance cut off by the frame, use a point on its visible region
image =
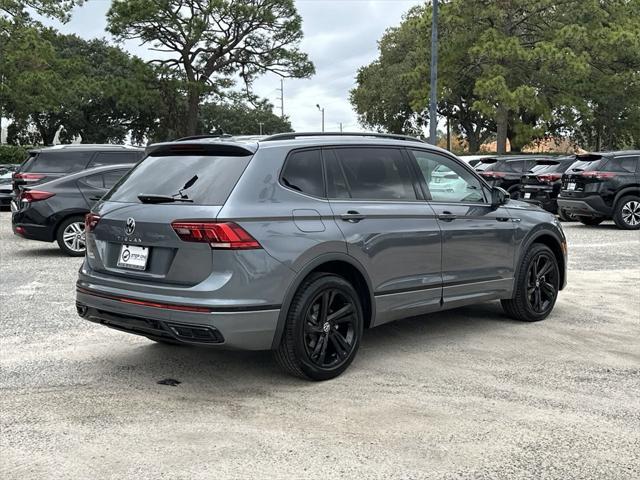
(447, 216)
(352, 216)
(502, 219)
(95, 198)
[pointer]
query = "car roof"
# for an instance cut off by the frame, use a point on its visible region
(86, 147)
(251, 144)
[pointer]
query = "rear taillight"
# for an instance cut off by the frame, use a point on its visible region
(29, 177)
(549, 177)
(493, 174)
(598, 175)
(90, 221)
(225, 235)
(30, 196)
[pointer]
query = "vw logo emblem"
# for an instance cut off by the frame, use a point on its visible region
(130, 226)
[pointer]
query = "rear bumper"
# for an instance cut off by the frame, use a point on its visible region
(5, 199)
(591, 206)
(246, 328)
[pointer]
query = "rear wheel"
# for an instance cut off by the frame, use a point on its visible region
(627, 214)
(537, 286)
(70, 236)
(323, 329)
(591, 221)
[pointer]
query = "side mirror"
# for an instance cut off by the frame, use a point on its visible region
(499, 196)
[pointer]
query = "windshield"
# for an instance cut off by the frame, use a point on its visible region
(484, 164)
(200, 180)
(587, 164)
(550, 167)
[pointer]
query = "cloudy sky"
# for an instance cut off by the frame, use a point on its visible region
(339, 36)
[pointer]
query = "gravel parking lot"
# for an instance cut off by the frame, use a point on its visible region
(462, 394)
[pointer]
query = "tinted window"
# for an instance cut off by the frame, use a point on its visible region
(590, 163)
(303, 173)
(113, 158)
(212, 178)
(58, 162)
(516, 166)
(111, 178)
(483, 165)
(622, 164)
(376, 173)
(96, 180)
(336, 182)
(446, 180)
(549, 166)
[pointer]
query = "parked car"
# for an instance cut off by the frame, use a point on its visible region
(55, 210)
(506, 172)
(600, 186)
(299, 241)
(6, 195)
(473, 160)
(48, 163)
(541, 185)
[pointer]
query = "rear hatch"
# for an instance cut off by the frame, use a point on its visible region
(582, 173)
(140, 214)
(484, 163)
(544, 179)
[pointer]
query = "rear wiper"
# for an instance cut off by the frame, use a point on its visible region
(151, 198)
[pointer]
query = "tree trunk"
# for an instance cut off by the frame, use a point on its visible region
(502, 123)
(474, 142)
(193, 109)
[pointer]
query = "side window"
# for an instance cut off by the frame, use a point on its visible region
(95, 181)
(376, 173)
(60, 162)
(448, 181)
(113, 158)
(629, 164)
(111, 178)
(336, 183)
(303, 173)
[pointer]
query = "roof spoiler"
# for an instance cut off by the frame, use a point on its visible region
(200, 148)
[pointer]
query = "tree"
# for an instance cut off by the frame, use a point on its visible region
(208, 43)
(16, 10)
(241, 117)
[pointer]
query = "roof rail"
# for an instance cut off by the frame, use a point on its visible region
(208, 135)
(294, 135)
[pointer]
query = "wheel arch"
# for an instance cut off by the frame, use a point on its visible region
(629, 190)
(551, 240)
(339, 264)
(62, 216)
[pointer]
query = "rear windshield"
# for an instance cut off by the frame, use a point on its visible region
(57, 162)
(206, 180)
(590, 163)
(549, 166)
(484, 164)
(506, 166)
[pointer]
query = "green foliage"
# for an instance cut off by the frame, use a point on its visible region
(12, 154)
(208, 44)
(240, 118)
(17, 10)
(524, 69)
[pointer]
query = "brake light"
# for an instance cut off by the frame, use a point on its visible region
(224, 235)
(549, 177)
(90, 221)
(30, 196)
(598, 175)
(30, 177)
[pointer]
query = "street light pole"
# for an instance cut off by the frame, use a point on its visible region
(433, 102)
(321, 109)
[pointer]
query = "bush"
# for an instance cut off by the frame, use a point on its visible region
(13, 153)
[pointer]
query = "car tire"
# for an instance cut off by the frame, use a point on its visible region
(70, 236)
(627, 213)
(323, 328)
(590, 221)
(566, 217)
(536, 287)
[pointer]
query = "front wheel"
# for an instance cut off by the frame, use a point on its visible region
(591, 221)
(70, 236)
(627, 214)
(323, 328)
(537, 286)
(565, 216)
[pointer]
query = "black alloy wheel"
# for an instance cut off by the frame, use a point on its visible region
(323, 328)
(536, 286)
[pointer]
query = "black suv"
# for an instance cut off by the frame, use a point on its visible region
(541, 185)
(49, 163)
(600, 186)
(505, 172)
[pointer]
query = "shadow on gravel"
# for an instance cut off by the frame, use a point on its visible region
(210, 369)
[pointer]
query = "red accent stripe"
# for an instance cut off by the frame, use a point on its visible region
(144, 303)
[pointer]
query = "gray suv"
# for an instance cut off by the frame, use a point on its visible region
(298, 242)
